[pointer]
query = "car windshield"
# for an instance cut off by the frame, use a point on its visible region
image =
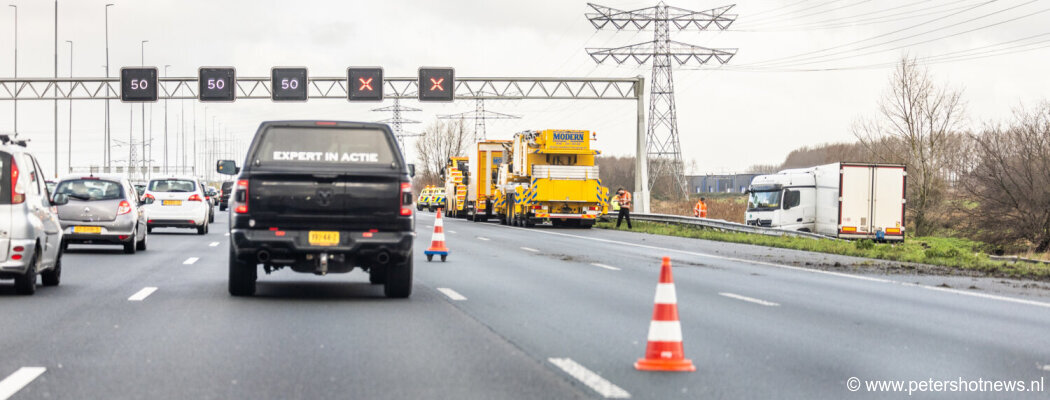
(171, 185)
(764, 200)
(90, 189)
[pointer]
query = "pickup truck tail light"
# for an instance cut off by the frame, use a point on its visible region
(241, 197)
(124, 207)
(406, 199)
(18, 193)
(195, 197)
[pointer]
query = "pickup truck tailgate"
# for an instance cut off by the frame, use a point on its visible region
(343, 202)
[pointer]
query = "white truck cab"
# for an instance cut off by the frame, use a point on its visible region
(786, 200)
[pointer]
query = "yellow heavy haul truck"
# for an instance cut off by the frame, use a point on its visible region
(485, 158)
(455, 187)
(550, 176)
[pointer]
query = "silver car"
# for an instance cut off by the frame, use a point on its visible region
(30, 237)
(102, 209)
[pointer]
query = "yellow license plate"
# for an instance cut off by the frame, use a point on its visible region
(324, 238)
(171, 203)
(87, 229)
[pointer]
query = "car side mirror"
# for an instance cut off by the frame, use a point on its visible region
(147, 200)
(60, 200)
(412, 170)
(227, 167)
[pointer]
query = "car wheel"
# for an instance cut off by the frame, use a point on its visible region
(26, 284)
(131, 245)
(242, 276)
(399, 279)
(149, 229)
(377, 275)
(141, 246)
(211, 217)
(202, 229)
(222, 207)
(52, 276)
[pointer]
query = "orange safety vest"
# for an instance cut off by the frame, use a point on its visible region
(700, 209)
(624, 200)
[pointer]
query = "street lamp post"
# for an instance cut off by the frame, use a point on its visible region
(69, 139)
(106, 154)
(166, 126)
(56, 91)
(142, 61)
(16, 66)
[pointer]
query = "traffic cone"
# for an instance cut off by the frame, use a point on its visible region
(437, 243)
(664, 352)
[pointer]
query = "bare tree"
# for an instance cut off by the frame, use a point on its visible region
(440, 141)
(916, 123)
(1008, 184)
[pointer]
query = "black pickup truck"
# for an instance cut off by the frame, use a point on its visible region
(322, 197)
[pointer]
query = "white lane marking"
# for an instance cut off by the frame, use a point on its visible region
(749, 299)
(227, 234)
(429, 226)
(452, 294)
(1046, 367)
(530, 249)
(605, 266)
(191, 260)
(451, 231)
(18, 380)
(142, 294)
(592, 380)
(815, 271)
(213, 244)
(483, 238)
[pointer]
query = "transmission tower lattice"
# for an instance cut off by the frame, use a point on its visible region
(663, 150)
(398, 121)
(479, 115)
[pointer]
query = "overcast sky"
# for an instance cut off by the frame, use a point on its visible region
(805, 70)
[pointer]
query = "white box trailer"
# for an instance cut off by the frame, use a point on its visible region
(845, 200)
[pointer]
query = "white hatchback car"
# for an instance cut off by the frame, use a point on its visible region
(176, 202)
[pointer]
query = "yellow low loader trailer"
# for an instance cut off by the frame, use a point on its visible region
(486, 156)
(455, 190)
(550, 176)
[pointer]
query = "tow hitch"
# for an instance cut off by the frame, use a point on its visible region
(322, 265)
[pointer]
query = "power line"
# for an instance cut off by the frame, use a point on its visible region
(920, 34)
(776, 21)
(797, 11)
(871, 18)
(779, 8)
(780, 60)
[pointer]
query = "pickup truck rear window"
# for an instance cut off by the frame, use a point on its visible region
(324, 147)
(90, 189)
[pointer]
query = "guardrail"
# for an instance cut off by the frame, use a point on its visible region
(721, 225)
(1016, 259)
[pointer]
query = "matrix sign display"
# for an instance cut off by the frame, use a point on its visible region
(288, 84)
(217, 84)
(437, 84)
(138, 84)
(365, 84)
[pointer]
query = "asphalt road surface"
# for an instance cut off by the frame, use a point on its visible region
(513, 314)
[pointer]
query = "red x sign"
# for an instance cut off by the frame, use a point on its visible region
(366, 84)
(436, 84)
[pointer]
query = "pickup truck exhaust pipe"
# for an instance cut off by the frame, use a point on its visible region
(383, 258)
(263, 256)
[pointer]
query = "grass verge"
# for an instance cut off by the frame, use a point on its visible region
(948, 252)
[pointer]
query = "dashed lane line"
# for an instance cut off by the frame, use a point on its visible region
(483, 238)
(749, 299)
(18, 380)
(594, 381)
(608, 267)
(813, 271)
(452, 294)
(142, 294)
(190, 260)
(213, 244)
(530, 249)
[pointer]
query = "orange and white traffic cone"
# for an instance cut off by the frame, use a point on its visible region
(437, 242)
(664, 352)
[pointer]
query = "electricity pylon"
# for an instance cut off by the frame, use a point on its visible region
(479, 115)
(397, 121)
(663, 149)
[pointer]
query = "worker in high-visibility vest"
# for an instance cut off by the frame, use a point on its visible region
(700, 209)
(623, 197)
